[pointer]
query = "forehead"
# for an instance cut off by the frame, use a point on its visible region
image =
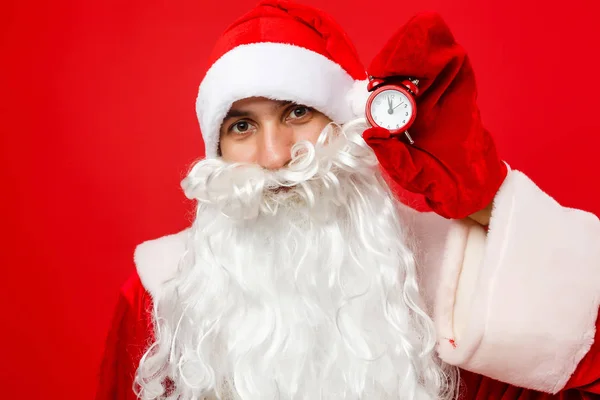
(255, 107)
(258, 102)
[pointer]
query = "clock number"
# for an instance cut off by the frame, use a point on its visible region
(406, 105)
(406, 113)
(404, 121)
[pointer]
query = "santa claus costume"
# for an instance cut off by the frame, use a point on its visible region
(243, 305)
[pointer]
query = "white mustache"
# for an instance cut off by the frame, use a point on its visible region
(243, 191)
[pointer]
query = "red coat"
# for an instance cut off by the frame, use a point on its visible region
(131, 333)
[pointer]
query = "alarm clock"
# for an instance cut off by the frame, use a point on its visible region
(392, 105)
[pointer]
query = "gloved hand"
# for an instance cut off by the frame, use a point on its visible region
(453, 162)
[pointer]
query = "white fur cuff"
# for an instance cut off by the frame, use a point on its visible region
(530, 315)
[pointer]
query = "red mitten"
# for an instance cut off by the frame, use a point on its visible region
(453, 162)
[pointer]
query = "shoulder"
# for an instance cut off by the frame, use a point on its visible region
(156, 260)
(133, 293)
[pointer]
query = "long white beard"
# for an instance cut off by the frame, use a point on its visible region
(304, 293)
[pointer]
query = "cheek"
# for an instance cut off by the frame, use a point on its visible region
(312, 130)
(238, 150)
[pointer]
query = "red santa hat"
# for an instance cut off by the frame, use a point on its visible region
(283, 51)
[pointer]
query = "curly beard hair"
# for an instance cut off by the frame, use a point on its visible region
(296, 284)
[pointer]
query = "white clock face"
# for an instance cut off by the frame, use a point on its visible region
(391, 109)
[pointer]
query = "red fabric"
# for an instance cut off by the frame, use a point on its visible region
(129, 337)
(282, 21)
(131, 334)
(453, 162)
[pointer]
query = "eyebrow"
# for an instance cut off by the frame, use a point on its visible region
(236, 113)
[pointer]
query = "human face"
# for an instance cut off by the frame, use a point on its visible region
(262, 131)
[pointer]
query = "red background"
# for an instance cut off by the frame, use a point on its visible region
(98, 127)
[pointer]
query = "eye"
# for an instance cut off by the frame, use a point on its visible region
(241, 127)
(299, 112)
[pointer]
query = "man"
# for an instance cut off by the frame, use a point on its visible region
(303, 277)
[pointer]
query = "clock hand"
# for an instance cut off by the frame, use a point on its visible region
(390, 110)
(398, 105)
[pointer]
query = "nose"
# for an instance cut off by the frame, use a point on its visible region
(275, 146)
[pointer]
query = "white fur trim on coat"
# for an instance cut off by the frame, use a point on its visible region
(276, 71)
(533, 290)
(157, 260)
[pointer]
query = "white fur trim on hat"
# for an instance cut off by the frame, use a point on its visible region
(276, 71)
